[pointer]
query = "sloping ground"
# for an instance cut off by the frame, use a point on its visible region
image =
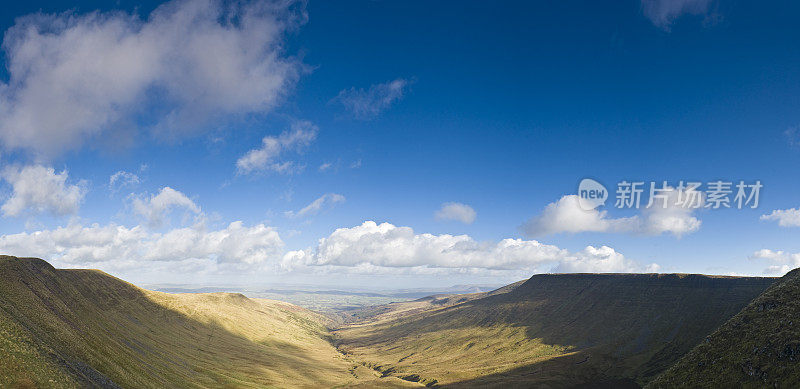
(84, 328)
(757, 348)
(612, 330)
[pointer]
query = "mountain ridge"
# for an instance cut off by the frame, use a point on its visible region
(555, 330)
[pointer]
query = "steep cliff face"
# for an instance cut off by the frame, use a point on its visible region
(556, 330)
(758, 347)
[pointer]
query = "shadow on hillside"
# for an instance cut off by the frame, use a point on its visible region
(105, 331)
(544, 375)
(632, 325)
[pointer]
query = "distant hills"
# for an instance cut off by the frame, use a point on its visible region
(329, 301)
(84, 328)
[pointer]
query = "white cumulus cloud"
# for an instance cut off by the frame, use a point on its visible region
(782, 262)
(785, 217)
(603, 259)
(327, 200)
(673, 213)
(73, 77)
(456, 211)
(37, 189)
(566, 215)
(368, 103)
(156, 208)
(371, 245)
(301, 134)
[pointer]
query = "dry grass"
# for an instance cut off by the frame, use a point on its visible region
(77, 328)
(552, 331)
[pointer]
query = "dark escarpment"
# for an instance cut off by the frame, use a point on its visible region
(758, 347)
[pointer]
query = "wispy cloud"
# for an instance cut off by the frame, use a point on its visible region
(456, 211)
(792, 135)
(365, 104)
(327, 200)
(662, 13)
(122, 179)
(300, 135)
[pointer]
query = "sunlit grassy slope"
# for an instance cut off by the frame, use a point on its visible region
(83, 328)
(757, 348)
(554, 331)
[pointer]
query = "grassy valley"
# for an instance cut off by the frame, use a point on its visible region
(84, 328)
(553, 331)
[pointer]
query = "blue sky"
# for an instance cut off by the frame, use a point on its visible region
(500, 108)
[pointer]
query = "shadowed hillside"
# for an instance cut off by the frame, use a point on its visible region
(84, 328)
(558, 330)
(759, 347)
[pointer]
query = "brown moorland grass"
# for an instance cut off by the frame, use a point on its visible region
(84, 328)
(555, 330)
